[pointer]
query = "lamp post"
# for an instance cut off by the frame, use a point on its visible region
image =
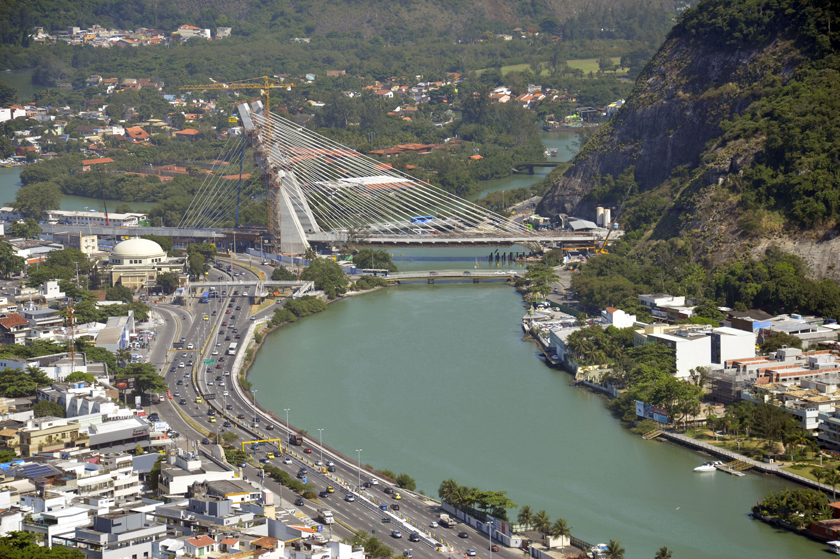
(254, 396)
(383, 521)
(321, 444)
(288, 433)
(359, 462)
(489, 536)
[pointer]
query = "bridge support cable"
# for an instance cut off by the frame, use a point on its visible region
(197, 198)
(315, 183)
(208, 194)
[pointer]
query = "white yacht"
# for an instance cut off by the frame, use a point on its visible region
(708, 466)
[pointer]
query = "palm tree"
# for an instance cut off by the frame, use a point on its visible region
(614, 550)
(663, 553)
(447, 489)
(462, 497)
(123, 356)
(525, 516)
(542, 522)
(560, 529)
(832, 478)
(818, 473)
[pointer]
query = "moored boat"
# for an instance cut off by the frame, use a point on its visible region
(708, 466)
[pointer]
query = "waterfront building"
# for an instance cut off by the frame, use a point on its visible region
(617, 318)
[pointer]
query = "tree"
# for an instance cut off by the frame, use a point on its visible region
(123, 356)
(123, 208)
(36, 199)
(614, 550)
(154, 474)
(119, 293)
(45, 408)
(197, 264)
(663, 553)
(168, 281)
(281, 273)
(832, 478)
(10, 262)
(26, 228)
(447, 489)
(374, 548)
(328, 277)
(542, 522)
(560, 529)
(818, 473)
(780, 340)
(8, 94)
(525, 516)
(405, 481)
(146, 378)
(229, 437)
(80, 376)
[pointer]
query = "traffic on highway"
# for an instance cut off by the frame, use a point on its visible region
(196, 350)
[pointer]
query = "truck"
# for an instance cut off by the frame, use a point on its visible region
(295, 439)
(445, 521)
(326, 516)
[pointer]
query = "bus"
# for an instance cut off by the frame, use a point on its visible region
(205, 297)
(375, 272)
(232, 349)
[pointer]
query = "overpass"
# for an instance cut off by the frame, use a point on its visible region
(476, 276)
(531, 164)
(303, 287)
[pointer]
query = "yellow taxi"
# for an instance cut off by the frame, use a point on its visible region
(212, 419)
(330, 489)
(199, 400)
(397, 496)
(269, 455)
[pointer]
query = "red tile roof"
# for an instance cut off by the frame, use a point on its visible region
(137, 133)
(95, 161)
(201, 541)
(12, 320)
(188, 132)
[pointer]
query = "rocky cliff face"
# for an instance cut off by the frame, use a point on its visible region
(675, 111)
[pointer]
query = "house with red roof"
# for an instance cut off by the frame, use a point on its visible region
(86, 163)
(136, 134)
(200, 546)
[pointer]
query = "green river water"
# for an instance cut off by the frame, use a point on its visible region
(436, 381)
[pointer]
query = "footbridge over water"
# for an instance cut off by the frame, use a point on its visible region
(476, 276)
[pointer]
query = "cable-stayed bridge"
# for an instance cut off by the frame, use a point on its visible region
(317, 190)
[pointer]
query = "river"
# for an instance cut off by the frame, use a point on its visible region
(436, 381)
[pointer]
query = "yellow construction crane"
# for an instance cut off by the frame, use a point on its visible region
(264, 83)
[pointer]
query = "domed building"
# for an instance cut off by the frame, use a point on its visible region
(135, 263)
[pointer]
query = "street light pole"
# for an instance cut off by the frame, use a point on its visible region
(288, 433)
(489, 536)
(359, 453)
(254, 396)
(321, 444)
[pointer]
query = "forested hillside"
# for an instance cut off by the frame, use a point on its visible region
(729, 141)
(395, 22)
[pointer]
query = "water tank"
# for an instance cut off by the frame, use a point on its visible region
(599, 215)
(607, 218)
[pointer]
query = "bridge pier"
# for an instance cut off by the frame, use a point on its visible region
(475, 280)
(530, 169)
(431, 280)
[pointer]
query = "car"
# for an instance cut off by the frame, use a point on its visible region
(224, 323)
(218, 344)
(209, 383)
(500, 273)
(407, 553)
(230, 305)
(319, 462)
(181, 365)
(218, 377)
(374, 481)
(243, 464)
(367, 484)
(212, 419)
(287, 460)
(235, 330)
(177, 394)
(264, 460)
(229, 407)
(172, 369)
(227, 373)
(395, 506)
(307, 451)
(186, 374)
(238, 337)
(270, 427)
(389, 490)
(183, 401)
(190, 363)
(397, 496)
(303, 470)
(190, 346)
(180, 382)
(238, 308)
(184, 354)
(331, 468)
(233, 317)
(213, 313)
(324, 494)
(330, 463)
(227, 338)
(396, 534)
(226, 424)
(433, 524)
(467, 273)
(254, 317)
(494, 547)
(227, 311)
(221, 382)
(463, 535)
(269, 454)
(470, 553)
(414, 537)
(299, 502)
(215, 352)
(224, 292)
(183, 340)
(221, 359)
(241, 416)
(330, 489)
(256, 419)
(218, 366)
(349, 498)
(433, 273)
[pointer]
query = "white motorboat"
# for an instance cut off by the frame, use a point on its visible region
(834, 546)
(708, 466)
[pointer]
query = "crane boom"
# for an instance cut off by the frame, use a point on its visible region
(267, 84)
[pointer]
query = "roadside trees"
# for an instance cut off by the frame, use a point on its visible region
(525, 516)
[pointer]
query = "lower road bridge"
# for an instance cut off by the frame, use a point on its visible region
(531, 164)
(476, 276)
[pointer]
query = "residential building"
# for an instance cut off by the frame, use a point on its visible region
(88, 244)
(203, 511)
(47, 434)
(657, 300)
(185, 469)
(42, 318)
(222, 32)
(808, 329)
(617, 318)
(14, 329)
(236, 491)
(692, 345)
(56, 523)
(751, 321)
(189, 32)
(118, 535)
(731, 343)
(50, 291)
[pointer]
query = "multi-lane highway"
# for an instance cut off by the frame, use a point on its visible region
(187, 338)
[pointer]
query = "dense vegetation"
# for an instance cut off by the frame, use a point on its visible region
(798, 507)
(470, 499)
